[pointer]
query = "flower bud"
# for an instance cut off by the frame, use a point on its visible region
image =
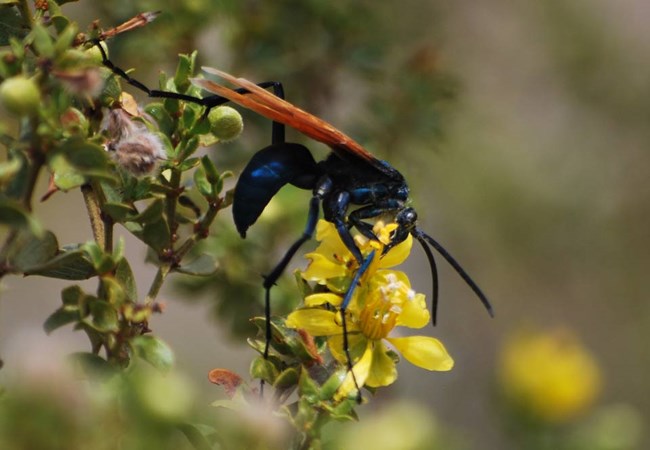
(225, 123)
(20, 95)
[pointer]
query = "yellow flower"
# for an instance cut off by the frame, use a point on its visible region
(551, 375)
(382, 300)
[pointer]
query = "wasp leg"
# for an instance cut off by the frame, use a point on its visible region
(269, 280)
(335, 210)
(357, 217)
(208, 102)
(344, 305)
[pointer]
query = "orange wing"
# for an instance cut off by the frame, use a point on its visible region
(272, 107)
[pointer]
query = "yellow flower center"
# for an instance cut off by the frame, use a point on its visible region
(379, 315)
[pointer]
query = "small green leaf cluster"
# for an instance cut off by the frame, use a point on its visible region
(67, 118)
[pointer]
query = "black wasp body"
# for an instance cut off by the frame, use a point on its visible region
(349, 176)
(351, 185)
(337, 182)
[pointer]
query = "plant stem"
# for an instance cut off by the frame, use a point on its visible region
(95, 214)
(157, 283)
(171, 200)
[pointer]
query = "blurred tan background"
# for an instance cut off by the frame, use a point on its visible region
(533, 170)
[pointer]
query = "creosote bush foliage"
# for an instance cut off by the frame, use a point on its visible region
(141, 167)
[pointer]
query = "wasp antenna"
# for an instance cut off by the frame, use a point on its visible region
(459, 270)
(434, 275)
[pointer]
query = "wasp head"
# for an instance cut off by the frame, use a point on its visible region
(405, 220)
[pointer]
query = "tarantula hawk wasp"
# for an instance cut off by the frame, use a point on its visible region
(349, 177)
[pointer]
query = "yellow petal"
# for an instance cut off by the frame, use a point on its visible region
(382, 370)
(330, 240)
(424, 351)
(414, 312)
(357, 344)
(317, 322)
(321, 268)
(398, 254)
(324, 230)
(361, 370)
(323, 298)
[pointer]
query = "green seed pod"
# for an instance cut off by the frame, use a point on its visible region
(95, 55)
(20, 95)
(225, 123)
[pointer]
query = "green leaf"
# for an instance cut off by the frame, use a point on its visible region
(188, 164)
(72, 296)
(154, 351)
(202, 184)
(124, 275)
(156, 235)
(104, 316)
(66, 176)
(84, 156)
(204, 265)
(9, 169)
(19, 183)
(344, 411)
(60, 22)
(101, 261)
(224, 176)
(75, 159)
(285, 340)
(308, 387)
(287, 379)
(112, 89)
(263, 369)
(15, 215)
(119, 212)
(184, 71)
(138, 189)
(332, 384)
(69, 265)
(61, 317)
(152, 213)
(42, 41)
(53, 7)
(113, 291)
(186, 149)
(203, 129)
(163, 119)
(211, 172)
(65, 38)
(31, 251)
